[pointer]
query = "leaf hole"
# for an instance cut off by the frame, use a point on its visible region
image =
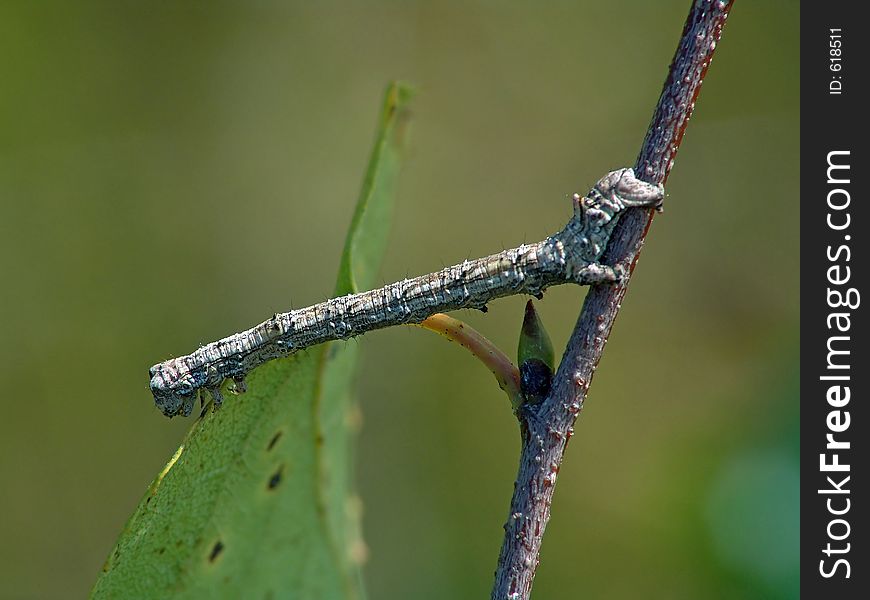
(216, 551)
(275, 479)
(274, 441)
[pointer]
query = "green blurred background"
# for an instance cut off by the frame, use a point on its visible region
(174, 172)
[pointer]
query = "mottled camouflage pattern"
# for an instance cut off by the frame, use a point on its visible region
(569, 256)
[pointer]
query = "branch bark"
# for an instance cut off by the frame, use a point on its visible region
(546, 428)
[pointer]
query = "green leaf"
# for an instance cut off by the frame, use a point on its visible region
(257, 501)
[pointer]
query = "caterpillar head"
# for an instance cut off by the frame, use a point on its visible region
(174, 389)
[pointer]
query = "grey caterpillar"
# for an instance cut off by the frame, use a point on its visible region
(569, 256)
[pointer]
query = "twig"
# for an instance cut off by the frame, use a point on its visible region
(506, 373)
(548, 427)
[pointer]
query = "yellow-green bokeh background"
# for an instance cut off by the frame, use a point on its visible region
(174, 172)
